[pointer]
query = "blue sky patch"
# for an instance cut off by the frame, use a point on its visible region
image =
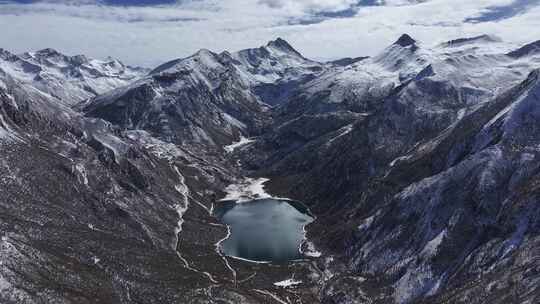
(497, 13)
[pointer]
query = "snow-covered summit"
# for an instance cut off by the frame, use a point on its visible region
(405, 56)
(282, 45)
(277, 62)
(405, 40)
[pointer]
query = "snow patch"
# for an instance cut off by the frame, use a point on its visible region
(182, 207)
(287, 283)
(240, 143)
(233, 121)
(247, 190)
(366, 223)
(399, 159)
(157, 147)
(311, 251)
(83, 176)
(343, 131)
(432, 246)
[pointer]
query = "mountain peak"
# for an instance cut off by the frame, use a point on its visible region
(405, 40)
(282, 45)
(279, 43)
(204, 52)
(206, 57)
(48, 52)
(203, 57)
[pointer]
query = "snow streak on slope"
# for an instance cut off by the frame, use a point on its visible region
(239, 144)
(181, 209)
(287, 283)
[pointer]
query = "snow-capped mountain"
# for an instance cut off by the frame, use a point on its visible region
(275, 62)
(70, 79)
(420, 164)
(198, 100)
(474, 68)
(207, 97)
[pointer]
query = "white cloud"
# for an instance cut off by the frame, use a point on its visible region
(310, 5)
(152, 35)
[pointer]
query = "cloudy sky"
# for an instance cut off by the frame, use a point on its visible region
(149, 32)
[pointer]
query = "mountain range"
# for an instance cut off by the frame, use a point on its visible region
(421, 165)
